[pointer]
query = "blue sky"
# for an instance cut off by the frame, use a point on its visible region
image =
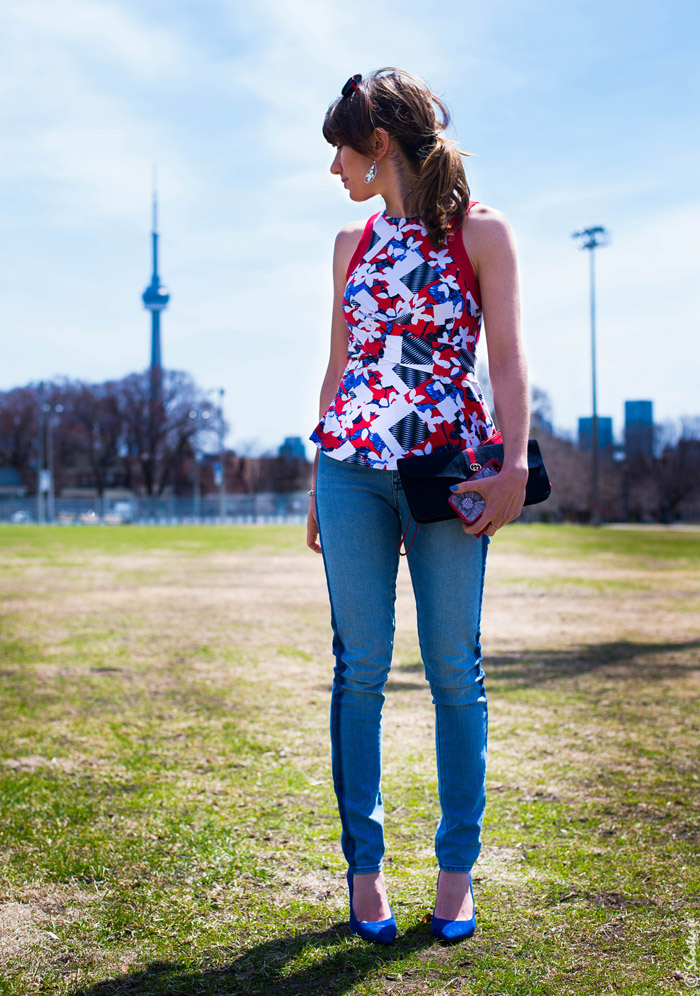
(579, 113)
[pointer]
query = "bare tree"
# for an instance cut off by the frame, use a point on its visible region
(91, 428)
(18, 431)
(160, 432)
(540, 411)
(107, 430)
(677, 473)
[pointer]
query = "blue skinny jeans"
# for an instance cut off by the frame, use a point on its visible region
(361, 514)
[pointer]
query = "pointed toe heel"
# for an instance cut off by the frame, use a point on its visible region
(377, 931)
(454, 930)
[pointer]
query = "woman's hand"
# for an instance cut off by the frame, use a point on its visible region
(312, 527)
(504, 494)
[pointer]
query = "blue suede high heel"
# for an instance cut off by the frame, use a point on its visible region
(454, 930)
(380, 931)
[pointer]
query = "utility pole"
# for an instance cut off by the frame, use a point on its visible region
(590, 239)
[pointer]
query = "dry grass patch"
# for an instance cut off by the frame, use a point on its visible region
(166, 727)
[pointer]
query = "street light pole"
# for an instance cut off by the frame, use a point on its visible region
(197, 489)
(40, 455)
(222, 455)
(50, 505)
(591, 239)
(204, 415)
(50, 461)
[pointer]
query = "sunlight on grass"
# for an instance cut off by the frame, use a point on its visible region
(167, 818)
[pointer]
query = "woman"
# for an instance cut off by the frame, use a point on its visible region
(411, 285)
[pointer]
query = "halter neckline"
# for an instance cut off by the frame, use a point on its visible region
(407, 217)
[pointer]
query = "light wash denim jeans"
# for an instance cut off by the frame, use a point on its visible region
(362, 513)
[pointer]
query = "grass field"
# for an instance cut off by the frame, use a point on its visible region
(167, 820)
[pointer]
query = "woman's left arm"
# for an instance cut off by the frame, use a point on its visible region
(490, 245)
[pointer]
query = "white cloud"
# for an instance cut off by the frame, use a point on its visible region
(229, 98)
(63, 120)
(97, 30)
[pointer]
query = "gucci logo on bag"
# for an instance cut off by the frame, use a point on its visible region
(475, 466)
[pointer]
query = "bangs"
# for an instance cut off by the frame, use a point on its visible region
(348, 122)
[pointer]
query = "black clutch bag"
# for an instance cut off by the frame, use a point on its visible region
(427, 479)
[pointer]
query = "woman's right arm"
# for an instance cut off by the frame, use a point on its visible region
(346, 242)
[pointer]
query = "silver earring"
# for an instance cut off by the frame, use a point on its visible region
(371, 172)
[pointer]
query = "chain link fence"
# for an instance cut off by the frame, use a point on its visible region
(154, 510)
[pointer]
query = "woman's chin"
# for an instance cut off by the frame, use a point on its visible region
(359, 198)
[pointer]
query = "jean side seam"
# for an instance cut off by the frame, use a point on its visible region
(484, 550)
(485, 542)
(349, 845)
(336, 739)
(438, 758)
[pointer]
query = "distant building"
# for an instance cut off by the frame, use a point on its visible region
(11, 482)
(293, 447)
(605, 434)
(639, 428)
(155, 299)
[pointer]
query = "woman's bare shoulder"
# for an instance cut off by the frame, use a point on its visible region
(346, 242)
(486, 222)
(350, 233)
(485, 231)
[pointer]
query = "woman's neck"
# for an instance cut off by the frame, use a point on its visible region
(398, 189)
(396, 204)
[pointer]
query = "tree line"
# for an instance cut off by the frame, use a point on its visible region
(661, 483)
(115, 434)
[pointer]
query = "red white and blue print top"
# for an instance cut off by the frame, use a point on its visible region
(414, 318)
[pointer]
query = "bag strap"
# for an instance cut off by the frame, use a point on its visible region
(405, 551)
(474, 464)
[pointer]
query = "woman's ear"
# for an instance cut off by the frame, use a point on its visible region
(381, 143)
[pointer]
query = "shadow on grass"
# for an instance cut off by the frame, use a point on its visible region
(537, 667)
(530, 668)
(264, 970)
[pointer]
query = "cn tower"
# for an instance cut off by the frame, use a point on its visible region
(155, 299)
